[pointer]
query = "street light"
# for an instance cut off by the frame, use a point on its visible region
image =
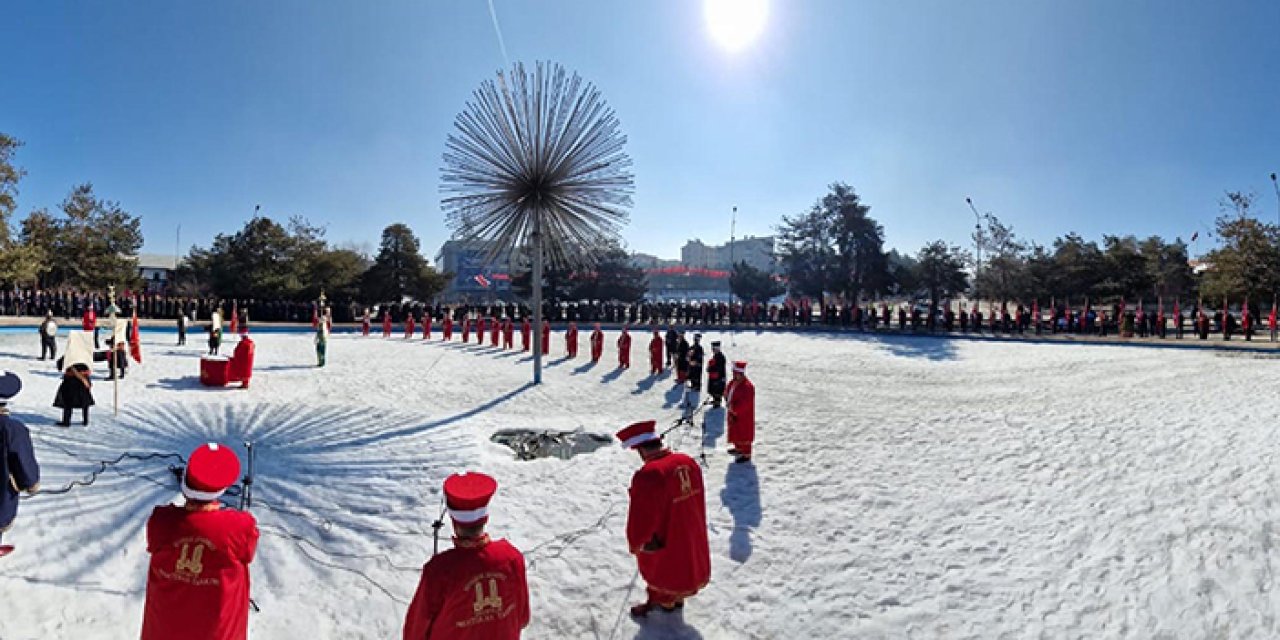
(1275, 185)
(977, 245)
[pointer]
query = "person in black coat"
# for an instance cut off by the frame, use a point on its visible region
(716, 374)
(672, 340)
(75, 392)
(19, 470)
(682, 359)
(696, 359)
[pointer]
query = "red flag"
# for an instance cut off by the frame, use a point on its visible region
(482, 281)
(135, 341)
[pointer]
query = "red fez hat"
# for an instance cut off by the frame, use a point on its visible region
(740, 366)
(638, 433)
(467, 496)
(210, 470)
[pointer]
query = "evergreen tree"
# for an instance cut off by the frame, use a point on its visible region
(751, 284)
(613, 278)
(399, 270)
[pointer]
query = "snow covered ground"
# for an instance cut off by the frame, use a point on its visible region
(902, 488)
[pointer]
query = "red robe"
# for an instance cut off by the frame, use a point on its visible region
(448, 328)
(508, 332)
(408, 327)
(426, 327)
(242, 362)
(597, 345)
(466, 329)
(474, 591)
(571, 340)
(90, 319)
(546, 338)
(365, 324)
(655, 355)
(235, 319)
(198, 580)
(624, 350)
(667, 526)
(740, 396)
(483, 329)
(524, 335)
(495, 329)
(386, 324)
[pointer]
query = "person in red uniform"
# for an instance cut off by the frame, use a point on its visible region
(198, 580)
(525, 328)
(365, 324)
(655, 353)
(546, 337)
(89, 322)
(386, 323)
(409, 328)
(426, 325)
(482, 329)
(597, 343)
(624, 349)
(508, 333)
(495, 330)
(448, 325)
(242, 361)
(666, 522)
(740, 396)
(571, 340)
(466, 330)
(476, 590)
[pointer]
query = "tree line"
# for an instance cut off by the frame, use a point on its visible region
(835, 249)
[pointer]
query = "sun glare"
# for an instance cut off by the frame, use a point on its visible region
(734, 24)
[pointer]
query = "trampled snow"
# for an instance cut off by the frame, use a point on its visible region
(902, 488)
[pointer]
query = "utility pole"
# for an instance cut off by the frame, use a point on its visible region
(977, 245)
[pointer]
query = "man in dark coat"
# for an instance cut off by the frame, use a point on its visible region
(716, 374)
(19, 470)
(696, 359)
(673, 340)
(49, 337)
(75, 392)
(682, 359)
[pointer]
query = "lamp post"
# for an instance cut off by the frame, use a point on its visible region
(1276, 185)
(977, 245)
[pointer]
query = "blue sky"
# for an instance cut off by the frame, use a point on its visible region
(1092, 116)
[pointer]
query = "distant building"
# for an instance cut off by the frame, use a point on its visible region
(646, 261)
(156, 271)
(756, 252)
(475, 277)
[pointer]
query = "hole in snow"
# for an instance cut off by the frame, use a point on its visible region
(531, 444)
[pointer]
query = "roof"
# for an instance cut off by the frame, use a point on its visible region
(157, 261)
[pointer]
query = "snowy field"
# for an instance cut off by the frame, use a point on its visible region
(902, 488)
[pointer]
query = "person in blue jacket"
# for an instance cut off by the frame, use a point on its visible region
(18, 468)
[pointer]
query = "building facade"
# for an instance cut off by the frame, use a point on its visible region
(475, 276)
(756, 252)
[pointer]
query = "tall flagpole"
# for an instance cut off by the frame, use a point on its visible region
(733, 229)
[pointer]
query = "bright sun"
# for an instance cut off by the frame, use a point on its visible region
(735, 23)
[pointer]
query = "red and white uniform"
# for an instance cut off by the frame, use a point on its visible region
(198, 579)
(655, 354)
(242, 362)
(624, 349)
(597, 344)
(740, 397)
(571, 340)
(477, 590)
(667, 521)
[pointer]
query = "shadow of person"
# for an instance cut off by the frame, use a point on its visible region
(182, 384)
(612, 375)
(741, 495)
(666, 626)
(586, 366)
(673, 396)
(557, 362)
(712, 426)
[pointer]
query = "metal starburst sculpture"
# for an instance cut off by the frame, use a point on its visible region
(536, 165)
